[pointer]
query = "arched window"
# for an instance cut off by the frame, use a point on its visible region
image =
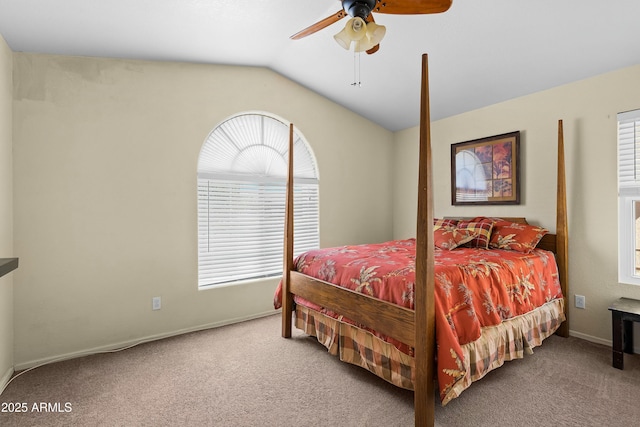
(242, 170)
(472, 184)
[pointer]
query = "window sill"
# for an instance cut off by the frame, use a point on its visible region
(245, 282)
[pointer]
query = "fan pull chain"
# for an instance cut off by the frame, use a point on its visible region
(356, 70)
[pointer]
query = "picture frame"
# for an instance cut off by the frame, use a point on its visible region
(486, 171)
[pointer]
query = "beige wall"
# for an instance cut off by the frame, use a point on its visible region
(105, 156)
(6, 213)
(103, 193)
(588, 109)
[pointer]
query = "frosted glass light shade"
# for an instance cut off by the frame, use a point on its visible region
(353, 31)
(342, 38)
(374, 34)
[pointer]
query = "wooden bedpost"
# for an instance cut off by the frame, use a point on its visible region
(562, 231)
(424, 387)
(287, 298)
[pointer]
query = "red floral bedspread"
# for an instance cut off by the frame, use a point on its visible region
(474, 288)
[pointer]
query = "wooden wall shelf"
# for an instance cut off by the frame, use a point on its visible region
(7, 265)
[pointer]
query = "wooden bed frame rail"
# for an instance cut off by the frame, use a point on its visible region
(413, 327)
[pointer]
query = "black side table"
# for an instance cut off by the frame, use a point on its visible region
(624, 312)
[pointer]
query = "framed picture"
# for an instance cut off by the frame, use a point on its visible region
(486, 171)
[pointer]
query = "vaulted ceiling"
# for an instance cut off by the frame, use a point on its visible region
(480, 51)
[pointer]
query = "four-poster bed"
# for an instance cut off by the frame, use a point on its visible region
(343, 319)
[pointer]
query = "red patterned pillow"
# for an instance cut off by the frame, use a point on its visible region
(450, 237)
(482, 227)
(516, 237)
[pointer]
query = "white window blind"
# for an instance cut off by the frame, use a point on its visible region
(241, 200)
(629, 149)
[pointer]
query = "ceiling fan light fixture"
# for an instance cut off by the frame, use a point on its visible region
(375, 33)
(356, 28)
(343, 39)
(354, 31)
(363, 45)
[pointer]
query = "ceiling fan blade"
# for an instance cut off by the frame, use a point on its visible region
(412, 7)
(319, 25)
(373, 49)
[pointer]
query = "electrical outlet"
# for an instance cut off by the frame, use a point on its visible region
(156, 303)
(580, 301)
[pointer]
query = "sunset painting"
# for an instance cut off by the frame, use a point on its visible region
(485, 171)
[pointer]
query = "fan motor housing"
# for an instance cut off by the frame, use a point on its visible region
(360, 8)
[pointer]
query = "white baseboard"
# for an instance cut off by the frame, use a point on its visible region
(590, 338)
(126, 344)
(597, 340)
(5, 379)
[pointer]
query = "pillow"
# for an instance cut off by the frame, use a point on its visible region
(439, 223)
(451, 237)
(516, 237)
(482, 227)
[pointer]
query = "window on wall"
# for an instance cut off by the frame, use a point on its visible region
(242, 171)
(629, 197)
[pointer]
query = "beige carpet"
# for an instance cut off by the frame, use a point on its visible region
(247, 375)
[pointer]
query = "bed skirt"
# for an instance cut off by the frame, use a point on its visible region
(497, 344)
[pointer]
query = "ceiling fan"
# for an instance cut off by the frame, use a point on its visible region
(361, 28)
